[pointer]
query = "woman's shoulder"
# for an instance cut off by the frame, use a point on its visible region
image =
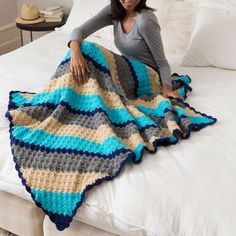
(146, 14)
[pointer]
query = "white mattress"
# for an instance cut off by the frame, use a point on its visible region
(183, 189)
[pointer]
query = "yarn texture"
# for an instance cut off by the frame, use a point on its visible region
(69, 137)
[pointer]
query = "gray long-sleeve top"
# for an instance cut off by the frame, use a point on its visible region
(143, 42)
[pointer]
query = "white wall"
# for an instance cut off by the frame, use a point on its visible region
(42, 4)
(8, 11)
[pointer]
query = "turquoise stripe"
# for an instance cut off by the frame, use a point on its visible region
(79, 102)
(157, 111)
(18, 99)
(200, 120)
(42, 138)
(172, 139)
(57, 202)
(90, 49)
(142, 121)
(184, 78)
(144, 86)
(181, 92)
(137, 151)
(194, 119)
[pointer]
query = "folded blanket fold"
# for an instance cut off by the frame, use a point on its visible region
(69, 137)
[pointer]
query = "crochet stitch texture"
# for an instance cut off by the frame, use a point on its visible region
(69, 137)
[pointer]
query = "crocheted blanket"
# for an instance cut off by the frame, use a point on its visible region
(69, 137)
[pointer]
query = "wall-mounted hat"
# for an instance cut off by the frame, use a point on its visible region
(29, 14)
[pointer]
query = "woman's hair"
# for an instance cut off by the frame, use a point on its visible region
(118, 12)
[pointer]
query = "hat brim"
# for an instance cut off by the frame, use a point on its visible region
(21, 21)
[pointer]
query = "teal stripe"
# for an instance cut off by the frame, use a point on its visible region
(77, 101)
(157, 111)
(184, 78)
(194, 119)
(137, 151)
(144, 86)
(172, 139)
(57, 202)
(90, 49)
(200, 120)
(18, 99)
(181, 92)
(42, 138)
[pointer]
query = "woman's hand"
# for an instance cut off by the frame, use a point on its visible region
(78, 65)
(167, 91)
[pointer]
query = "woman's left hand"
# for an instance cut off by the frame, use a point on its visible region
(167, 92)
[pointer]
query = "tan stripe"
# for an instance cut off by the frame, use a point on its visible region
(52, 126)
(67, 182)
(27, 96)
(154, 80)
(134, 111)
(172, 125)
(111, 99)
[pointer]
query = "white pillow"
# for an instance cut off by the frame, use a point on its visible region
(227, 5)
(213, 40)
(83, 10)
(177, 19)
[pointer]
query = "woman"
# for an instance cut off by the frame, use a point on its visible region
(136, 34)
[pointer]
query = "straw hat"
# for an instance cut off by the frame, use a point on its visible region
(29, 14)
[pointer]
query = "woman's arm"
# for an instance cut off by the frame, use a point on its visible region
(100, 20)
(150, 31)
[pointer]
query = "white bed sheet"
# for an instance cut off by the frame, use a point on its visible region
(183, 189)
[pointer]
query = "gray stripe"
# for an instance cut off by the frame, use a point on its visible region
(64, 162)
(61, 114)
(106, 83)
(148, 133)
(125, 76)
(184, 123)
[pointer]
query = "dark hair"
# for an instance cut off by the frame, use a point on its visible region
(118, 12)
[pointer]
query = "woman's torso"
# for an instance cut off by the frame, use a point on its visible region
(131, 44)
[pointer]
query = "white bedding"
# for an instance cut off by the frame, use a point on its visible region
(186, 189)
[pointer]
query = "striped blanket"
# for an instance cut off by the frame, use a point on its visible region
(69, 137)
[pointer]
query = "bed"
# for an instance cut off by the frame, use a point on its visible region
(183, 189)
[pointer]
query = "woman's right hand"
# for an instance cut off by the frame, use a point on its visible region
(78, 64)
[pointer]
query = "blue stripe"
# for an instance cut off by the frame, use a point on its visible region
(42, 138)
(195, 119)
(181, 91)
(18, 99)
(184, 78)
(57, 202)
(90, 49)
(138, 151)
(76, 101)
(158, 111)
